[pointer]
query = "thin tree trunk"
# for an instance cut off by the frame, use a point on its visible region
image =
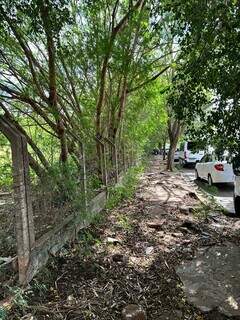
(45, 7)
(37, 151)
(164, 149)
(170, 158)
(174, 131)
(114, 32)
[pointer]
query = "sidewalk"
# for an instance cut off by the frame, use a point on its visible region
(132, 258)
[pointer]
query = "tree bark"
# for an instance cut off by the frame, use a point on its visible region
(45, 7)
(37, 151)
(114, 32)
(174, 131)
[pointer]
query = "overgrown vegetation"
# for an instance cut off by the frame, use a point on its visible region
(94, 86)
(125, 188)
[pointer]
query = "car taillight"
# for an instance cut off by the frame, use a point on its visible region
(185, 154)
(219, 167)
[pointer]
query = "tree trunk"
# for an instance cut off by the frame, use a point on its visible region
(174, 131)
(170, 158)
(52, 80)
(164, 149)
(37, 151)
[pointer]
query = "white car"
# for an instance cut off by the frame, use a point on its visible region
(176, 156)
(236, 197)
(214, 171)
(188, 153)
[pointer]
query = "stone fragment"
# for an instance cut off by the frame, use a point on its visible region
(117, 257)
(28, 316)
(190, 226)
(157, 224)
(113, 240)
(133, 312)
(149, 250)
(211, 280)
(186, 209)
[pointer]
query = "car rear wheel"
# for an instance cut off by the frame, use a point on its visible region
(183, 163)
(237, 205)
(210, 182)
(197, 175)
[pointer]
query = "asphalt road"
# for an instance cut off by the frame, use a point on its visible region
(223, 193)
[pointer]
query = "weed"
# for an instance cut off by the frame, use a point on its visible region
(124, 222)
(86, 241)
(19, 297)
(3, 313)
(203, 210)
(126, 188)
(213, 190)
(39, 287)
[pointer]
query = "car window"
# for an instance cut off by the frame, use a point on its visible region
(203, 159)
(206, 158)
(191, 146)
(182, 146)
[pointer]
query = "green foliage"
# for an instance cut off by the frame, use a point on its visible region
(19, 297)
(208, 34)
(38, 287)
(213, 190)
(3, 313)
(126, 188)
(62, 186)
(87, 239)
(5, 164)
(124, 221)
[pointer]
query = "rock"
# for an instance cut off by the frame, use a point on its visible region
(190, 226)
(211, 279)
(184, 230)
(117, 257)
(179, 314)
(71, 300)
(28, 316)
(177, 234)
(149, 250)
(157, 225)
(236, 226)
(192, 195)
(156, 211)
(113, 240)
(186, 209)
(133, 312)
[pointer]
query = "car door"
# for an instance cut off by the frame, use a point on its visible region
(209, 166)
(200, 167)
(205, 166)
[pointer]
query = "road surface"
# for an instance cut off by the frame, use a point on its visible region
(223, 193)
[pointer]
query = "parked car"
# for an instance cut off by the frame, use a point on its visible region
(155, 151)
(236, 196)
(176, 156)
(213, 170)
(189, 154)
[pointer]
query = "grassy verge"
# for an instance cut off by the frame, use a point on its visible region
(126, 188)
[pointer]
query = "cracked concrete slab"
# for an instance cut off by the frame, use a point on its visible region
(212, 279)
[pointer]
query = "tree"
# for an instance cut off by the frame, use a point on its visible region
(208, 35)
(73, 70)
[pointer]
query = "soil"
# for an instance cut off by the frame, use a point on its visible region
(132, 255)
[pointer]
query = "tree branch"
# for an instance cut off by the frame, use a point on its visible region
(148, 81)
